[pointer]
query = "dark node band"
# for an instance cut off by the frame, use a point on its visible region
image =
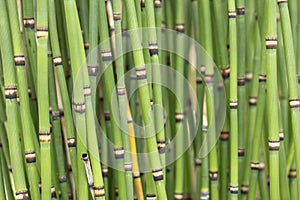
(252, 101)
(57, 61)
(117, 16)
(157, 4)
(281, 135)
(10, 92)
(178, 195)
(199, 80)
(281, 1)
(30, 157)
(105, 172)
(86, 45)
(274, 145)
(262, 78)
(179, 116)
(28, 22)
(224, 135)
(55, 115)
(198, 163)
(116, 192)
(271, 43)
(261, 166)
(22, 195)
(50, 54)
(121, 91)
(142, 4)
(233, 104)
(71, 142)
(298, 78)
(62, 179)
(209, 78)
(107, 116)
(128, 167)
(79, 107)
(19, 60)
(53, 192)
(157, 174)
(213, 175)
(106, 55)
(151, 196)
(254, 165)
(161, 146)
(119, 153)
(231, 14)
(45, 136)
(153, 48)
(87, 90)
(294, 103)
(245, 189)
(241, 152)
(233, 189)
(136, 175)
(41, 32)
(240, 11)
(141, 73)
(180, 28)
(292, 174)
(226, 72)
(241, 81)
(99, 191)
(93, 70)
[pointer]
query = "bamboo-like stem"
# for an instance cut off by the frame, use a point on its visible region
(263, 187)
(61, 80)
(29, 134)
(43, 97)
(290, 60)
(252, 113)
(207, 42)
(205, 192)
(121, 93)
(83, 11)
(29, 25)
(10, 87)
(223, 64)
(284, 186)
(179, 107)
(233, 188)
(93, 45)
(57, 143)
(135, 164)
(145, 100)
(108, 79)
(255, 158)
(77, 58)
(241, 65)
(272, 97)
(156, 78)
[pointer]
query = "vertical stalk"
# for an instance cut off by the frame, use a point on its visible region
(241, 65)
(109, 83)
(272, 97)
(43, 97)
(145, 100)
(233, 188)
(29, 134)
(290, 59)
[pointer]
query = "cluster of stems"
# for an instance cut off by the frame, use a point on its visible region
(149, 99)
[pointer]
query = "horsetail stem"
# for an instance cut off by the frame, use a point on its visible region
(145, 100)
(272, 97)
(10, 92)
(233, 103)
